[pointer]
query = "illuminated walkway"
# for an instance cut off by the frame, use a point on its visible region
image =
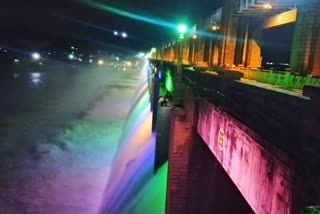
(298, 91)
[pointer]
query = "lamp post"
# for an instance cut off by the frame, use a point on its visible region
(124, 35)
(182, 29)
(35, 56)
(178, 92)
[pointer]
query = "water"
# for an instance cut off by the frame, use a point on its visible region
(59, 134)
(133, 186)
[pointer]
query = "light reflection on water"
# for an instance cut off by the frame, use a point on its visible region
(15, 75)
(28, 90)
(35, 78)
(18, 80)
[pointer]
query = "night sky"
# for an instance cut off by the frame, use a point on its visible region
(32, 23)
(276, 45)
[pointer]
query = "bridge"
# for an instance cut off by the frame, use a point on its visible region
(231, 35)
(264, 138)
(237, 138)
(255, 129)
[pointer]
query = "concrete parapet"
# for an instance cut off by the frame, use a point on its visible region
(282, 127)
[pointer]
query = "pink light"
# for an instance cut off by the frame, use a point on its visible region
(245, 161)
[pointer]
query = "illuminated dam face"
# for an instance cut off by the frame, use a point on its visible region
(133, 166)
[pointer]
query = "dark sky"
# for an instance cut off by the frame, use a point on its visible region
(276, 45)
(43, 22)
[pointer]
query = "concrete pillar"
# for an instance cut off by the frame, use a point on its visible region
(245, 45)
(195, 55)
(171, 55)
(305, 45)
(190, 46)
(158, 55)
(185, 50)
(180, 136)
(207, 46)
(162, 53)
(176, 50)
(210, 51)
(316, 63)
(242, 38)
(215, 55)
(254, 58)
(197, 183)
(200, 49)
(166, 51)
(229, 33)
(163, 136)
(248, 39)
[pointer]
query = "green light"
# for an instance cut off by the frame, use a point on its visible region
(169, 82)
(124, 13)
(153, 197)
(182, 28)
(181, 36)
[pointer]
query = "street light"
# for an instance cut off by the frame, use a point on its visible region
(115, 33)
(279, 19)
(100, 62)
(194, 36)
(215, 27)
(182, 28)
(71, 56)
(141, 54)
(35, 56)
(124, 35)
(267, 6)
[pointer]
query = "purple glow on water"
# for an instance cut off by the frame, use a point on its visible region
(133, 164)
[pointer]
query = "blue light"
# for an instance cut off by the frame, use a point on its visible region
(124, 35)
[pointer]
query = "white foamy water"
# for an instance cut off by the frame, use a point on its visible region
(60, 136)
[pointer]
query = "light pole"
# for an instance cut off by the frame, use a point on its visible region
(35, 56)
(182, 29)
(124, 35)
(178, 93)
